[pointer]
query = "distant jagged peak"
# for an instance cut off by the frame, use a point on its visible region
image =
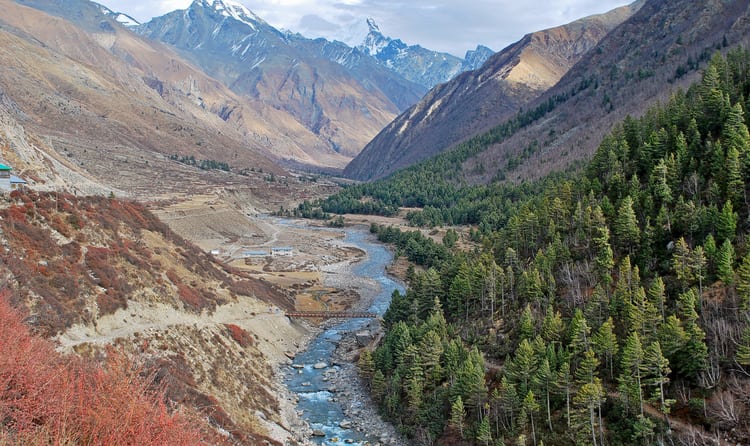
(232, 9)
(372, 26)
(375, 41)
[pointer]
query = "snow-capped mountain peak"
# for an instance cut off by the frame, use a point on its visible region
(233, 9)
(375, 41)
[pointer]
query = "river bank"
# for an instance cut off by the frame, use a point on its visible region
(352, 417)
(324, 261)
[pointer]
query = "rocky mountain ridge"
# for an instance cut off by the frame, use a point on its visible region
(287, 73)
(652, 55)
(477, 100)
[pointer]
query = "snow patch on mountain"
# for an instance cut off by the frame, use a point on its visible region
(121, 18)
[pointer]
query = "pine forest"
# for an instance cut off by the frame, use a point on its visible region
(606, 305)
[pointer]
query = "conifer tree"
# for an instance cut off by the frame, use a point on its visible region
(565, 384)
(431, 349)
(590, 398)
(725, 261)
(470, 383)
(430, 291)
(378, 386)
(743, 349)
(681, 261)
(630, 379)
(660, 185)
(366, 365)
(656, 295)
(545, 380)
(586, 371)
(523, 366)
(484, 433)
(726, 224)
(712, 252)
(530, 406)
(509, 401)
(656, 370)
(526, 324)
(605, 344)
(743, 283)
(458, 416)
(626, 226)
(604, 257)
(734, 186)
(579, 333)
(735, 135)
(552, 326)
(698, 265)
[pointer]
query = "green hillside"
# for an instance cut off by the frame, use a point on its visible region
(606, 306)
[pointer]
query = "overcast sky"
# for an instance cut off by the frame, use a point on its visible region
(443, 25)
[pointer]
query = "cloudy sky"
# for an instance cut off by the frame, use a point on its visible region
(444, 25)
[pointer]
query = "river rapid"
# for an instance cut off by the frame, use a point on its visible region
(317, 378)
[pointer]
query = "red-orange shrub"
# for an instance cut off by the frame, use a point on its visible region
(46, 398)
(240, 335)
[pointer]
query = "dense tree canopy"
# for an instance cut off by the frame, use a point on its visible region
(605, 301)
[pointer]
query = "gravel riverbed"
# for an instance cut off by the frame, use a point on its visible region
(342, 374)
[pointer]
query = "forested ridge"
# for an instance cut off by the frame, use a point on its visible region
(607, 306)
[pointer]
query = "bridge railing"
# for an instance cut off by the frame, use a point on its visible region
(332, 314)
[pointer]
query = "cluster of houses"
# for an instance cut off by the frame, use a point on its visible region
(8, 181)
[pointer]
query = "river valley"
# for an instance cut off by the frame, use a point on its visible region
(330, 398)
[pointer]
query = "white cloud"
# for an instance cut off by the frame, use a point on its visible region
(444, 25)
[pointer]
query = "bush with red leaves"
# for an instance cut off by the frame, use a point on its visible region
(46, 398)
(240, 335)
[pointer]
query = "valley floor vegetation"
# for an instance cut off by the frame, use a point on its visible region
(605, 306)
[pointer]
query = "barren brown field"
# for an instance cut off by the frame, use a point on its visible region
(239, 238)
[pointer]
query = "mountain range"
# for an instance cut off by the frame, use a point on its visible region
(476, 100)
(271, 98)
(646, 58)
(420, 65)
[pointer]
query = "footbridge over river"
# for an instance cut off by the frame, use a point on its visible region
(331, 314)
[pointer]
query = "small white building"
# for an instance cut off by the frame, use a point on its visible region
(8, 181)
(282, 251)
(254, 254)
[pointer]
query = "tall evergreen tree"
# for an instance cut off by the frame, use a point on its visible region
(726, 225)
(656, 370)
(630, 379)
(458, 416)
(552, 326)
(526, 324)
(626, 226)
(605, 344)
(579, 333)
(530, 406)
(523, 366)
(743, 283)
(590, 398)
(725, 261)
(545, 381)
